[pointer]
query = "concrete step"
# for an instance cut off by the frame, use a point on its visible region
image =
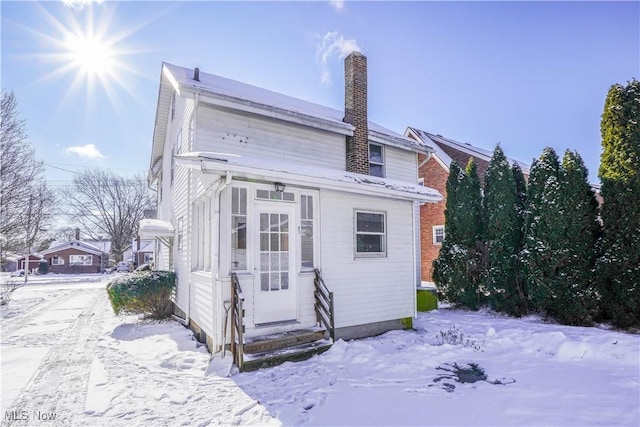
(254, 361)
(274, 342)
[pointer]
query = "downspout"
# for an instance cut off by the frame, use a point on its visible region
(416, 245)
(426, 159)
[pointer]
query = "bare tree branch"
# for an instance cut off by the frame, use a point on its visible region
(102, 203)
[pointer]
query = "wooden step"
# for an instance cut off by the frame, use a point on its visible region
(295, 353)
(274, 342)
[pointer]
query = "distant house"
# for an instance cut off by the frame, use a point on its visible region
(433, 170)
(34, 262)
(142, 251)
(75, 257)
(281, 193)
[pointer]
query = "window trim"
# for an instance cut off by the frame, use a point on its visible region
(357, 254)
(434, 235)
(383, 154)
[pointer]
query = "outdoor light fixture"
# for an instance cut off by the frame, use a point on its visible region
(279, 187)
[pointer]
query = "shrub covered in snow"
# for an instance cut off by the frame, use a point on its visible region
(144, 292)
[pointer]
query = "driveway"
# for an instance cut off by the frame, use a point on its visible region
(49, 337)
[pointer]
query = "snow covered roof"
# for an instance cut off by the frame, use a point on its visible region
(152, 228)
(443, 149)
(242, 96)
(287, 171)
(73, 244)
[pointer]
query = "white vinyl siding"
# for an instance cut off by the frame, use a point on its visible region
(221, 131)
(367, 290)
(400, 164)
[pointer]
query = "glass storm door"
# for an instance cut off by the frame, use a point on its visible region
(276, 274)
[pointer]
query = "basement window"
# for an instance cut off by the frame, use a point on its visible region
(376, 160)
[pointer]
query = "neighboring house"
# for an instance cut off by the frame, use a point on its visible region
(271, 188)
(34, 262)
(75, 257)
(433, 171)
(142, 251)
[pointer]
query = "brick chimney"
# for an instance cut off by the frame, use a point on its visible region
(355, 112)
(77, 234)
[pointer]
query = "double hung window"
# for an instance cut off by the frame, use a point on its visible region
(370, 234)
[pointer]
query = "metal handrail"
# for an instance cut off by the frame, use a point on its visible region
(324, 305)
(237, 321)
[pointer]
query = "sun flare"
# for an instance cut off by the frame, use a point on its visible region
(90, 54)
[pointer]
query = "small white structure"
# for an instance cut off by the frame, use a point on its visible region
(273, 188)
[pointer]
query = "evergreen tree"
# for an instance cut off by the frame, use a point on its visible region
(503, 236)
(521, 193)
(543, 224)
(619, 263)
(456, 270)
(574, 300)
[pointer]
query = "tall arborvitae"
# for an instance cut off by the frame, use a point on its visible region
(503, 237)
(455, 271)
(473, 218)
(543, 225)
(521, 193)
(573, 299)
(619, 263)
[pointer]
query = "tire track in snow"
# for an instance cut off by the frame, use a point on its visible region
(13, 324)
(59, 385)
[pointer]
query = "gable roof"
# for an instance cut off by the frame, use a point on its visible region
(448, 150)
(225, 92)
(73, 244)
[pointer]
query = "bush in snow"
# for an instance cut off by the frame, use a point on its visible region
(619, 264)
(7, 287)
(43, 267)
(503, 237)
(561, 230)
(455, 336)
(458, 269)
(144, 292)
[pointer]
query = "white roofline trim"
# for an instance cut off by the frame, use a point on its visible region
(218, 163)
(249, 106)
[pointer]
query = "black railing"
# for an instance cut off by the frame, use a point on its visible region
(237, 321)
(324, 304)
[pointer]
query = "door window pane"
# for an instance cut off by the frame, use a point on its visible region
(238, 228)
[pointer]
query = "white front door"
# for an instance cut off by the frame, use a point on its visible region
(275, 293)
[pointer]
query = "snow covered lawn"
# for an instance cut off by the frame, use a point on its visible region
(65, 354)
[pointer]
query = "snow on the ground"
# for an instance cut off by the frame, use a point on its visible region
(132, 372)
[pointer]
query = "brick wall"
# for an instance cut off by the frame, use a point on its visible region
(435, 176)
(355, 112)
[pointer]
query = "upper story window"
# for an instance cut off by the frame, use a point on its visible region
(371, 238)
(376, 160)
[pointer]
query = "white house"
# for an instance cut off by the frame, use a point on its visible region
(277, 192)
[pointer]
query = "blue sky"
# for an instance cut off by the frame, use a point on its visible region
(523, 74)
